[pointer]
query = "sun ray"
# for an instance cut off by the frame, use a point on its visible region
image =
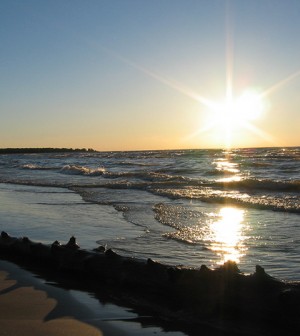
(281, 83)
(168, 82)
(207, 127)
(264, 135)
(229, 52)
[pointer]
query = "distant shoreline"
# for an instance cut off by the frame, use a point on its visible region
(38, 150)
(43, 150)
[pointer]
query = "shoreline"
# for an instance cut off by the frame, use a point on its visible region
(33, 303)
(30, 307)
(99, 313)
(221, 300)
(44, 150)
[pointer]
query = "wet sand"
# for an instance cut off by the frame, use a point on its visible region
(30, 307)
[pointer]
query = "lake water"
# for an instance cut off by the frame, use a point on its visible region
(188, 207)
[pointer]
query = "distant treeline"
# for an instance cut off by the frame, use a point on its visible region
(42, 150)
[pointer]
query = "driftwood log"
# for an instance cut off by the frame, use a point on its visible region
(255, 304)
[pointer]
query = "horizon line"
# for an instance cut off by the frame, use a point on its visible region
(93, 150)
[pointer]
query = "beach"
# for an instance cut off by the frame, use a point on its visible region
(31, 306)
(92, 288)
(149, 168)
(188, 208)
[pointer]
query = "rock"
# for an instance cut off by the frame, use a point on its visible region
(100, 248)
(72, 244)
(5, 235)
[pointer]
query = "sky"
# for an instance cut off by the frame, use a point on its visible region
(141, 74)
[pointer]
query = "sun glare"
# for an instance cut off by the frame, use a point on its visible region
(227, 234)
(233, 115)
(249, 106)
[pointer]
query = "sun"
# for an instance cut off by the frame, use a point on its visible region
(228, 118)
(249, 106)
(235, 113)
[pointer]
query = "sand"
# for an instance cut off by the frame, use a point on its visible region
(30, 307)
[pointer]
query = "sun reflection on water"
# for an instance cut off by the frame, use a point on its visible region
(226, 167)
(223, 232)
(226, 236)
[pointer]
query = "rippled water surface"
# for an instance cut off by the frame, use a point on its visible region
(187, 207)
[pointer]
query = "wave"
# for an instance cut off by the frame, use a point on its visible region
(150, 177)
(151, 180)
(136, 164)
(163, 178)
(145, 175)
(32, 166)
(263, 202)
(81, 170)
(251, 198)
(248, 184)
(217, 172)
(167, 178)
(259, 184)
(259, 164)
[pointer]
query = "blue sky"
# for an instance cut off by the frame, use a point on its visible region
(117, 75)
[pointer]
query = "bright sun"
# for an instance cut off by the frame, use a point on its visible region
(234, 114)
(248, 106)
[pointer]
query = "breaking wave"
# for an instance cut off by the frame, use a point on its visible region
(260, 184)
(32, 166)
(80, 170)
(267, 202)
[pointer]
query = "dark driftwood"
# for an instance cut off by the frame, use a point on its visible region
(255, 304)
